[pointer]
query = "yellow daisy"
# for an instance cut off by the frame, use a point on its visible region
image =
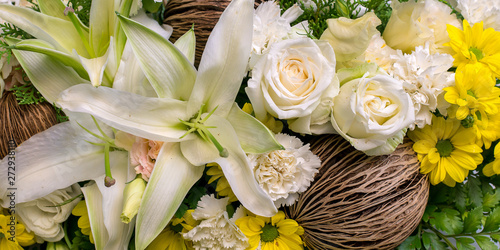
(446, 150)
(474, 90)
(83, 222)
(21, 237)
(273, 233)
(475, 47)
(171, 238)
(486, 129)
(223, 188)
(493, 168)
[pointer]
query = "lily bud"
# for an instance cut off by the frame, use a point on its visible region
(132, 199)
(57, 246)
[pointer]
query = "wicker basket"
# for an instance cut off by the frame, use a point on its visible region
(20, 122)
(361, 202)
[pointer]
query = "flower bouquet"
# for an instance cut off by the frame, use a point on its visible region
(300, 125)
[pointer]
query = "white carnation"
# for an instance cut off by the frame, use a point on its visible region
(284, 174)
(216, 230)
(270, 27)
(424, 75)
(475, 11)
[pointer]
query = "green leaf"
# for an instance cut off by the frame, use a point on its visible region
(428, 210)
(411, 243)
(464, 243)
(435, 242)
(448, 220)
(492, 221)
(485, 243)
(460, 197)
(490, 200)
(472, 221)
(495, 237)
(475, 192)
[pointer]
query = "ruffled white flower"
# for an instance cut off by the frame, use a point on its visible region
(270, 27)
(424, 75)
(380, 53)
(216, 231)
(284, 174)
(44, 216)
(475, 11)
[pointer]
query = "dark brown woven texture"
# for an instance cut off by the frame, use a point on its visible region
(361, 202)
(20, 122)
(204, 14)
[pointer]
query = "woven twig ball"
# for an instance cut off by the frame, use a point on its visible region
(20, 122)
(358, 201)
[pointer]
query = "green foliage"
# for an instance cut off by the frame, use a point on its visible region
(27, 94)
(191, 199)
(82, 9)
(81, 242)
(60, 115)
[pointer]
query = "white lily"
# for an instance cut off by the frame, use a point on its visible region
(66, 154)
(195, 114)
(67, 48)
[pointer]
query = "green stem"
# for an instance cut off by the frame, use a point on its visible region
(106, 161)
(442, 236)
(66, 238)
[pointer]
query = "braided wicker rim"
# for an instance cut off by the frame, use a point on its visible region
(20, 122)
(358, 201)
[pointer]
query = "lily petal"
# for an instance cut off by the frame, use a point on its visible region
(170, 181)
(49, 76)
(130, 77)
(187, 45)
(168, 70)
(254, 136)
(112, 203)
(58, 32)
(235, 167)
(94, 200)
(101, 25)
(95, 66)
(53, 8)
(224, 60)
(51, 160)
(40, 46)
(152, 118)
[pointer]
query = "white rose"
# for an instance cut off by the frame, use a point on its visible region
(289, 81)
(43, 216)
(373, 113)
(349, 38)
(413, 24)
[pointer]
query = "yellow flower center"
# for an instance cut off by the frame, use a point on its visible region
(269, 233)
(477, 52)
(444, 148)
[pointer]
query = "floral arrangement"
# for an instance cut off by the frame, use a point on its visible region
(155, 153)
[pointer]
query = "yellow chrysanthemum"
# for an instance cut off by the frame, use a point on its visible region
(273, 233)
(475, 47)
(493, 168)
(474, 91)
(83, 222)
(21, 237)
(223, 188)
(486, 129)
(171, 238)
(446, 150)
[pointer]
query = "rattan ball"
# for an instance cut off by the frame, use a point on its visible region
(20, 122)
(358, 201)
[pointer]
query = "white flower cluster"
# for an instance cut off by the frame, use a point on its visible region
(284, 174)
(475, 11)
(216, 230)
